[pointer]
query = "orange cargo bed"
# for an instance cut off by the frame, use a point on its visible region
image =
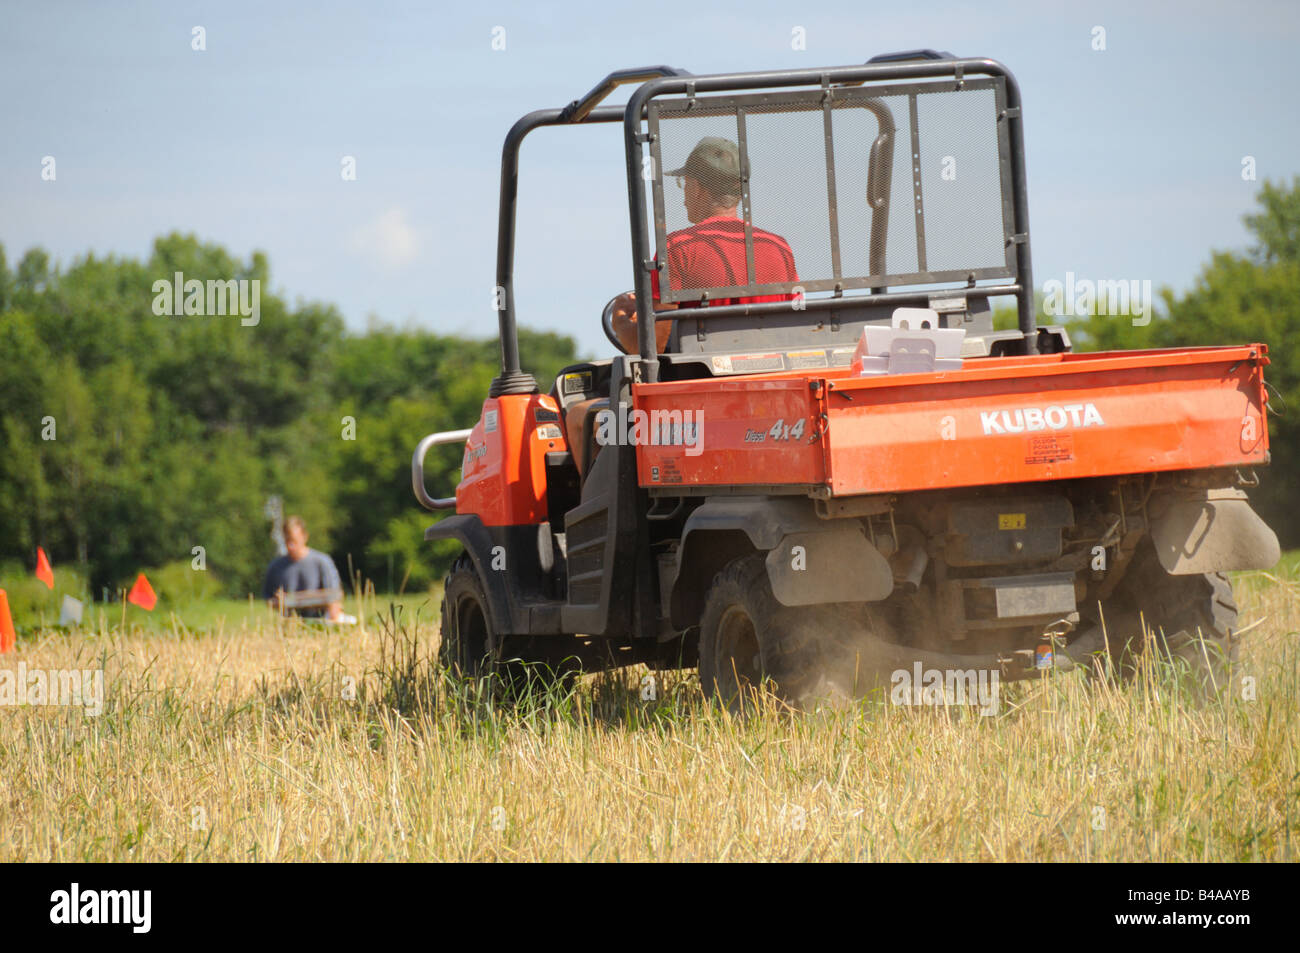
(994, 421)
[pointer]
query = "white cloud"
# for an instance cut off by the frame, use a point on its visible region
(390, 240)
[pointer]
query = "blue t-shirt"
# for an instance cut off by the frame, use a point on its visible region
(314, 571)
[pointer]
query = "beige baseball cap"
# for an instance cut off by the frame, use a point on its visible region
(715, 164)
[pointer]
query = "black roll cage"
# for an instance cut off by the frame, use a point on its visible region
(667, 80)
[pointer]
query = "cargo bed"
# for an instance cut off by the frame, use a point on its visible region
(994, 421)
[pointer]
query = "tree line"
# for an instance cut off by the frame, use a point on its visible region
(129, 439)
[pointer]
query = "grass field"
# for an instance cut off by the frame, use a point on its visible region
(228, 736)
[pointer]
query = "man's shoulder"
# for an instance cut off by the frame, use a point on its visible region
(706, 234)
(317, 556)
(276, 572)
(718, 223)
(773, 236)
(683, 234)
(719, 226)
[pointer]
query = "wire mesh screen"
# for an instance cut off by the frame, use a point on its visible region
(758, 196)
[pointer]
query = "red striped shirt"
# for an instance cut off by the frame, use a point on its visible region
(711, 254)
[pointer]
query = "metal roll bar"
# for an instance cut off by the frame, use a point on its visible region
(884, 70)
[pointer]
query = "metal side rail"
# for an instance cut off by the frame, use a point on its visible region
(417, 468)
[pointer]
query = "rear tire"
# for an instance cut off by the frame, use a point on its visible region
(750, 642)
(1193, 619)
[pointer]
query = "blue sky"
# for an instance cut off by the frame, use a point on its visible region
(1134, 153)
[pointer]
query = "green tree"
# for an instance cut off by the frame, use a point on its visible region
(1241, 299)
(170, 431)
(399, 386)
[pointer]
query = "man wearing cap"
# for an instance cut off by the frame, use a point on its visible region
(711, 252)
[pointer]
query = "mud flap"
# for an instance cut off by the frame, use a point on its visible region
(828, 565)
(1212, 531)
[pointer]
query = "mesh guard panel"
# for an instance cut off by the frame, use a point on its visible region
(848, 188)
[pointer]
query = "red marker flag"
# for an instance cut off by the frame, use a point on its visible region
(43, 571)
(142, 594)
(6, 625)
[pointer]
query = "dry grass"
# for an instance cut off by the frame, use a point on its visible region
(235, 745)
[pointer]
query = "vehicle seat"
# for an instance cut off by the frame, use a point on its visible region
(580, 430)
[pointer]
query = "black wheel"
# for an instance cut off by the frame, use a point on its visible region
(470, 649)
(466, 649)
(749, 642)
(1193, 619)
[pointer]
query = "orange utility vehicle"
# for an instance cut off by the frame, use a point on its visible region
(828, 478)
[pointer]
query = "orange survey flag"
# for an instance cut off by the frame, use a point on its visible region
(142, 595)
(43, 571)
(6, 625)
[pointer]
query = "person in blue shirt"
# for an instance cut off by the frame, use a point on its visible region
(304, 581)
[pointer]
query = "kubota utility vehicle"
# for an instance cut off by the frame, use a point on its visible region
(823, 480)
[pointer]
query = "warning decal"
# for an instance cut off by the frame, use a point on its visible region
(1050, 448)
(666, 472)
